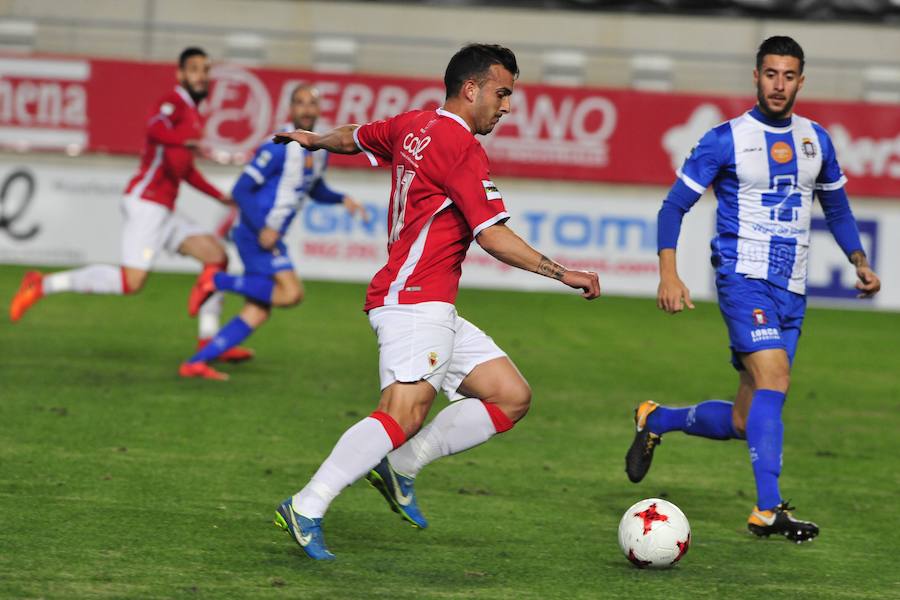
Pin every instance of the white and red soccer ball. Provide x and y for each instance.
(654, 534)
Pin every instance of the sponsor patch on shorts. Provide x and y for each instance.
(765, 334)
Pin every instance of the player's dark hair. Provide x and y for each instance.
(189, 52)
(780, 45)
(304, 87)
(473, 62)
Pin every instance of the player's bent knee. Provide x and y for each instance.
(780, 382)
(515, 400)
(286, 298)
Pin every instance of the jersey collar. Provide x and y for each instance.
(455, 117)
(768, 123)
(185, 96)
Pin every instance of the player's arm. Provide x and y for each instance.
(163, 127)
(502, 243)
(839, 217)
(339, 140)
(843, 227)
(672, 295)
(696, 174)
(323, 194)
(196, 180)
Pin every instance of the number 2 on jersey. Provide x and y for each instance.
(398, 202)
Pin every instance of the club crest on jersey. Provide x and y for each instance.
(491, 190)
(759, 317)
(167, 108)
(809, 149)
(781, 152)
(432, 359)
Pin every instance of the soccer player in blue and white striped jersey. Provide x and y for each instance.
(765, 166)
(269, 193)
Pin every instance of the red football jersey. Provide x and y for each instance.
(165, 160)
(442, 196)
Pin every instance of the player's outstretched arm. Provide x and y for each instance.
(671, 295)
(502, 243)
(338, 140)
(869, 284)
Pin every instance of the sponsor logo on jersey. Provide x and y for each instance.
(416, 145)
(808, 148)
(759, 317)
(781, 152)
(491, 190)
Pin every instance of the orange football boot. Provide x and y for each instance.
(202, 370)
(232, 355)
(30, 291)
(202, 290)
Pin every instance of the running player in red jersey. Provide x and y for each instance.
(148, 206)
(442, 198)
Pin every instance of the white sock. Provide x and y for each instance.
(93, 279)
(355, 454)
(208, 317)
(462, 425)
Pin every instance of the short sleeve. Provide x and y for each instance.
(376, 139)
(470, 188)
(170, 110)
(830, 176)
(702, 166)
(267, 162)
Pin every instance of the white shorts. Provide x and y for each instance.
(429, 341)
(148, 228)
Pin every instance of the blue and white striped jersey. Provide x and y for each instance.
(275, 184)
(764, 174)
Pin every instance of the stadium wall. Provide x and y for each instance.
(65, 211)
(697, 54)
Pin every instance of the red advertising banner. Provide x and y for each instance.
(553, 132)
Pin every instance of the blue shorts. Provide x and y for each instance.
(257, 260)
(759, 315)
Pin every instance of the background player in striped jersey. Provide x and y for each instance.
(764, 166)
(148, 207)
(442, 197)
(269, 193)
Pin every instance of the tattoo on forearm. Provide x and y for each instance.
(549, 268)
(859, 259)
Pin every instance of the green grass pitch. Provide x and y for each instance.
(119, 480)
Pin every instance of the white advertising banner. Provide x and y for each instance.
(67, 213)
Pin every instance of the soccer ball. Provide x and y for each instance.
(654, 534)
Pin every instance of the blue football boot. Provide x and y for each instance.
(398, 490)
(306, 532)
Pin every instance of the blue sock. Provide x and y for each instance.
(257, 287)
(765, 433)
(235, 332)
(710, 419)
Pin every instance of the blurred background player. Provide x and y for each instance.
(764, 166)
(442, 198)
(148, 207)
(269, 193)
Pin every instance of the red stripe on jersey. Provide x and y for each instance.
(439, 202)
(392, 427)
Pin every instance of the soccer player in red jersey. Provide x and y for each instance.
(442, 198)
(150, 221)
